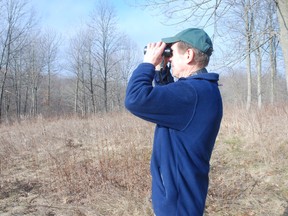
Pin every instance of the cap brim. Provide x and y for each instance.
(170, 40)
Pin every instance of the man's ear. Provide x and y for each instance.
(190, 55)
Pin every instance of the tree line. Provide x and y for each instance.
(99, 58)
(253, 32)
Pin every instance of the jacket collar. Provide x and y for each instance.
(204, 75)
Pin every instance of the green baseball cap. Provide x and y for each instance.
(195, 37)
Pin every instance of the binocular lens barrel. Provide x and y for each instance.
(167, 51)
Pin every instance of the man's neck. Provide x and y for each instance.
(191, 71)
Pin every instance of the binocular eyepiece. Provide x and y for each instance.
(166, 53)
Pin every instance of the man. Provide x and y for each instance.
(187, 114)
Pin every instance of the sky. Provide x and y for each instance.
(142, 26)
(67, 16)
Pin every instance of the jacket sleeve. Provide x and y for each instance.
(171, 105)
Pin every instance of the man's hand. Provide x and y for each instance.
(154, 53)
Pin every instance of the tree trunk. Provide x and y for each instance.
(76, 94)
(259, 77)
(49, 85)
(2, 94)
(91, 82)
(273, 69)
(282, 12)
(249, 28)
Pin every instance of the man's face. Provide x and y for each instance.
(177, 61)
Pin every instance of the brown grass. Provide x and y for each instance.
(100, 166)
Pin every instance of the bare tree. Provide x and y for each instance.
(130, 58)
(259, 75)
(219, 13)
(272, 48)
(106, 45)
(77, 61)
(16, 22)
(282, 11)
(249, 28)
(91, 70)
(203, 12)
(50, 42)
(35, 65)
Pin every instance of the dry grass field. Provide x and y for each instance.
(100, 166)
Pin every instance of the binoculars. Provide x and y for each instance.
(166, 53)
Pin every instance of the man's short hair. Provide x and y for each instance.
(201, 58)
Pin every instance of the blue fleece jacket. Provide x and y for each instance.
(187, 114)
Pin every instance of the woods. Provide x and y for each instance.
(250, 30)
(41, 76)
